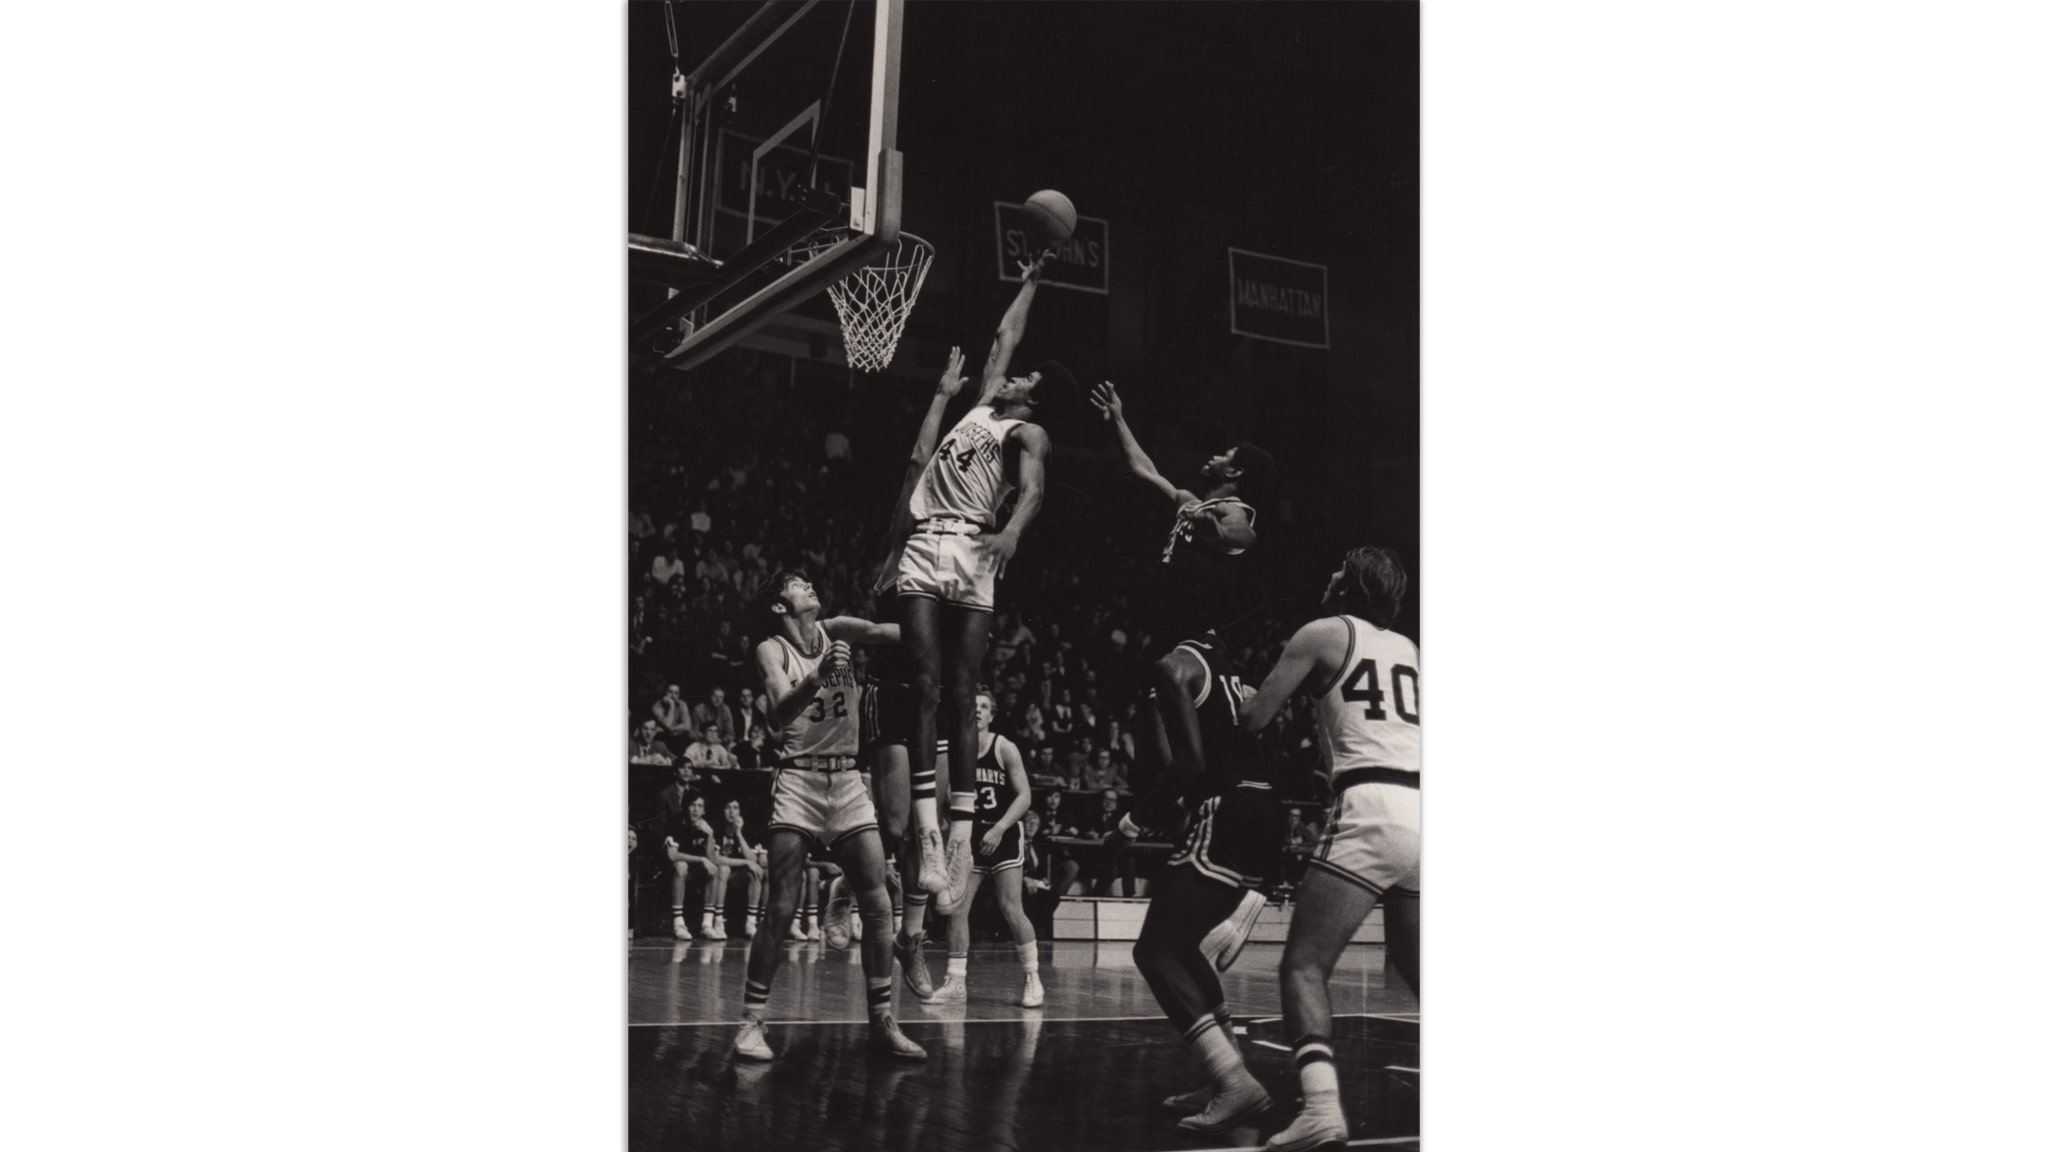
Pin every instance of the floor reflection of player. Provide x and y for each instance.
(1002, 796)
(819, 800)
(1366, 685)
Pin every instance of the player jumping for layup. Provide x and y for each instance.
(906, 797)
(956, 553)
(1367, 690)
(819, 800)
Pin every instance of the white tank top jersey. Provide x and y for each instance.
(830, 724)
(1371, 716)
(964, 478)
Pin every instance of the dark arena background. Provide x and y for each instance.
(1246, 269)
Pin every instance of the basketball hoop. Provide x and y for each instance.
(873, 302)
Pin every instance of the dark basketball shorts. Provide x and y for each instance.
(1009, 851)
(1234, 838)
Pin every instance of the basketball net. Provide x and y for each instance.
(874, 301)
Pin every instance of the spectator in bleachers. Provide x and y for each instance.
(667, 566)
(673, 714)
(1041, 898)
(1045, 773)
(746, 719)
(709, 752)
(1116, 861)
(1117, 738)
(647, 749)
(714, 713)
(700, 520)
(753, 753)
(1103, 772)
(1080, 755)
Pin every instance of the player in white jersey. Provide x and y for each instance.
(814, 708)
(1366, 685)
(905, 797)
(956, 551)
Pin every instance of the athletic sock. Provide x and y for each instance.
(756, 1000)
(1218, 1056)
(956, 966)
(878, 995)
(962, 805)
(1027, 955)
(1313, 1061)
(915, 900)
(925, 810)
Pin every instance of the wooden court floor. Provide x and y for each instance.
(1085, 1072)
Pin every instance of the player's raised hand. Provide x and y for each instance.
(1033, 268)
(949, 384)
(1107, 402)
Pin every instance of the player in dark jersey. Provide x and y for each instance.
(1195, 592)
(1002, 794)
(1231, 843)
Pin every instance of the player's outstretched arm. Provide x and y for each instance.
(1309, 652)
(1032, 446)
(1111, 406)
(1011, 331)
(786, 698)
(855, 630)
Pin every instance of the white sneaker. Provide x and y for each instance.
(857, 929)
(838, 932)
(885, 1036)
(682, 928)
(753, 1040)
(1314, 1128)
(714, 933)
(1226, 940)
(796, 931)
(1231, 1108)
(753, 924)
(959, 866)
(931, 861)
(1034, 992)
(1193, 1101)
(952, 991)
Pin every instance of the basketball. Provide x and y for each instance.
(1049, 218)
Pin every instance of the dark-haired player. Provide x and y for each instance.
(1230, 846)
(1366, 685)
(907, 800)
(820, 803)
(956, 552)
(1196, 586)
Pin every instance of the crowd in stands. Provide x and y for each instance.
(762, 470)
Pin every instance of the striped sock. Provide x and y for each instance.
(878, 995)
(924, 786)
(961, 804)
(1218, 1056)
(756, 1000)
(1313, 1062)
(915, 901)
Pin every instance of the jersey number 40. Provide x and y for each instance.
(1406, 694)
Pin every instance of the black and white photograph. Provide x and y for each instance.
(961, 490)
(1041, 379)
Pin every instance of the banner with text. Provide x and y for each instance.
(1274, 298)
(1083, 261)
